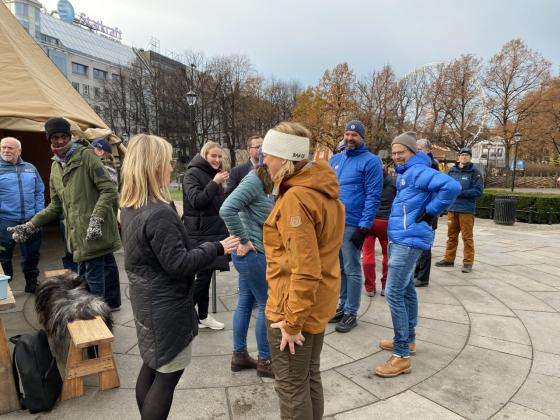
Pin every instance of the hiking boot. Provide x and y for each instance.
(382, 292)
(346, 323)
(388, 345)
(264, 368)
(30, 288)
(371, 294)
(337, 316)
(394, 367)
(211, 323)
(467, 268)
(444, 263)
(241, 360)
(418, 283)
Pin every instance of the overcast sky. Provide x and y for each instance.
(299, 39)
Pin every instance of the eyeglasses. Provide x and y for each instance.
(398, 153)
(254, 147)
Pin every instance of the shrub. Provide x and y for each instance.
(531, 207)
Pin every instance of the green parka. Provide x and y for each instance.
(79, 190)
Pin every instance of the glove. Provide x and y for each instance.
(94, 229)
(426, 217)
(359, 236)
(22, 233)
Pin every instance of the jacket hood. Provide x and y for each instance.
(199, 162)
(418, 159)
(317, 175)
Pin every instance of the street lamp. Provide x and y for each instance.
(516, 139)
(191, 98)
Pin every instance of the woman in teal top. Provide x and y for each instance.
(244, 212)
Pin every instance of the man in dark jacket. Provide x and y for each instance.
(360, 176)
(422, 271)
(240, 171)
(460, 217)
(21, 196)
(83, 192)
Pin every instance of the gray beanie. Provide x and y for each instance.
(407, 139)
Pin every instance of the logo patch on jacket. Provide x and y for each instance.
(294, 221)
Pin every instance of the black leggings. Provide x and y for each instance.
(154, 392)
(201, 295)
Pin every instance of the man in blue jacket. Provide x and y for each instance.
(422, 194)
(21, 197)
(360, 177)
(460, 217)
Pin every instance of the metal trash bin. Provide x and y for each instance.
(504, 210)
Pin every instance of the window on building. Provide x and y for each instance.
(116, 77)
(99, 74)
(22, 10)
(484, 154)
(500, 152)
(80, 69)
(97, 92)
(85, 90)
(76, 86)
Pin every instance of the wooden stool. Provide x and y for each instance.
(83, 336)
(53, 273)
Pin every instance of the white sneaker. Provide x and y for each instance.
(211, 323)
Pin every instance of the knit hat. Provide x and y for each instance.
(357, 126)
(57, 125)
(408, 140)
(285, 146)
(103, 145)
(465, 150)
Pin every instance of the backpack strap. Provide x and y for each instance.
(14, 340)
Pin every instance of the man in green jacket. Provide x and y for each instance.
(83, 192)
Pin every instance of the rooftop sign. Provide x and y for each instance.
(97, 25)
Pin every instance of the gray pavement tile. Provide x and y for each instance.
(29, 313)
(502, 327)
(125, 339)
(531, 273)
(441, 338)
(128, 367)
(547, 268)
(331, 358)
(435, 294)
(20, 297)
(15, 324)
(451, 313)
(430, 360)
(378, 313)
(341, 394)
(477, 300)
(516, 411)
(540, 393)
(524, 282)
(253, 402)
(124, 316)
(503, 259)
(229, 302)
(199, 404)
(546, 364)
(516, 349)
(215, 372)
(406, 405)
(543, 329)
(216, 343)
(360, 342)
(551, 298)
(444, 326)
(477, 383)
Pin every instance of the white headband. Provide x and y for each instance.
(285, 146)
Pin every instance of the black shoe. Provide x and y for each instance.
(382, 292)
(418, 283)
(346, 323)
(444, 263)
(337, 316)
(30, 289)
(467, 268)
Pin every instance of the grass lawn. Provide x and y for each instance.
(176, 195)
(522, 193)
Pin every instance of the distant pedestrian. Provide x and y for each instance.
(203, 194)
(21, 197)
(460, 216)
(104, 151)
(160, 265)
(240, 171)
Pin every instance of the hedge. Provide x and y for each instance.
(531, 207)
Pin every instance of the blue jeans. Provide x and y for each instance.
(252, 286)
(102, 276)
(29, 252)
(401, 296)
(351, 273)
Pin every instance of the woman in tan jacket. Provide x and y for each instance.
(302, 238)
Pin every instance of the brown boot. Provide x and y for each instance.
(264, 368)
(388, 345)
(394, 367)
(241, 360)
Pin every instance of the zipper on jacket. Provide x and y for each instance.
(21, 199)
(404, 217)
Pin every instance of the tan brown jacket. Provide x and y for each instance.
(302, 238)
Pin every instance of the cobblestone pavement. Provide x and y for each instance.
(488, 346)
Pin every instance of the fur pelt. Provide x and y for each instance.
(63, 299)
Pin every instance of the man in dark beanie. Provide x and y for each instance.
(88, 200)
(360, 177)
(422, 194)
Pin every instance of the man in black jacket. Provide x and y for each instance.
(422, 271)
(240, 171)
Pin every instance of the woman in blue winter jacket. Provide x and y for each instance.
(422, 194)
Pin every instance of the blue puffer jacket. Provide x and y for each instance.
(472, 186)
(360, 177)
(419, 188)
(21, 191)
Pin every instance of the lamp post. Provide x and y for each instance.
(191, 98)
(516, 139)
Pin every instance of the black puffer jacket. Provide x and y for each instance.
(202, 199)
(161, 271)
